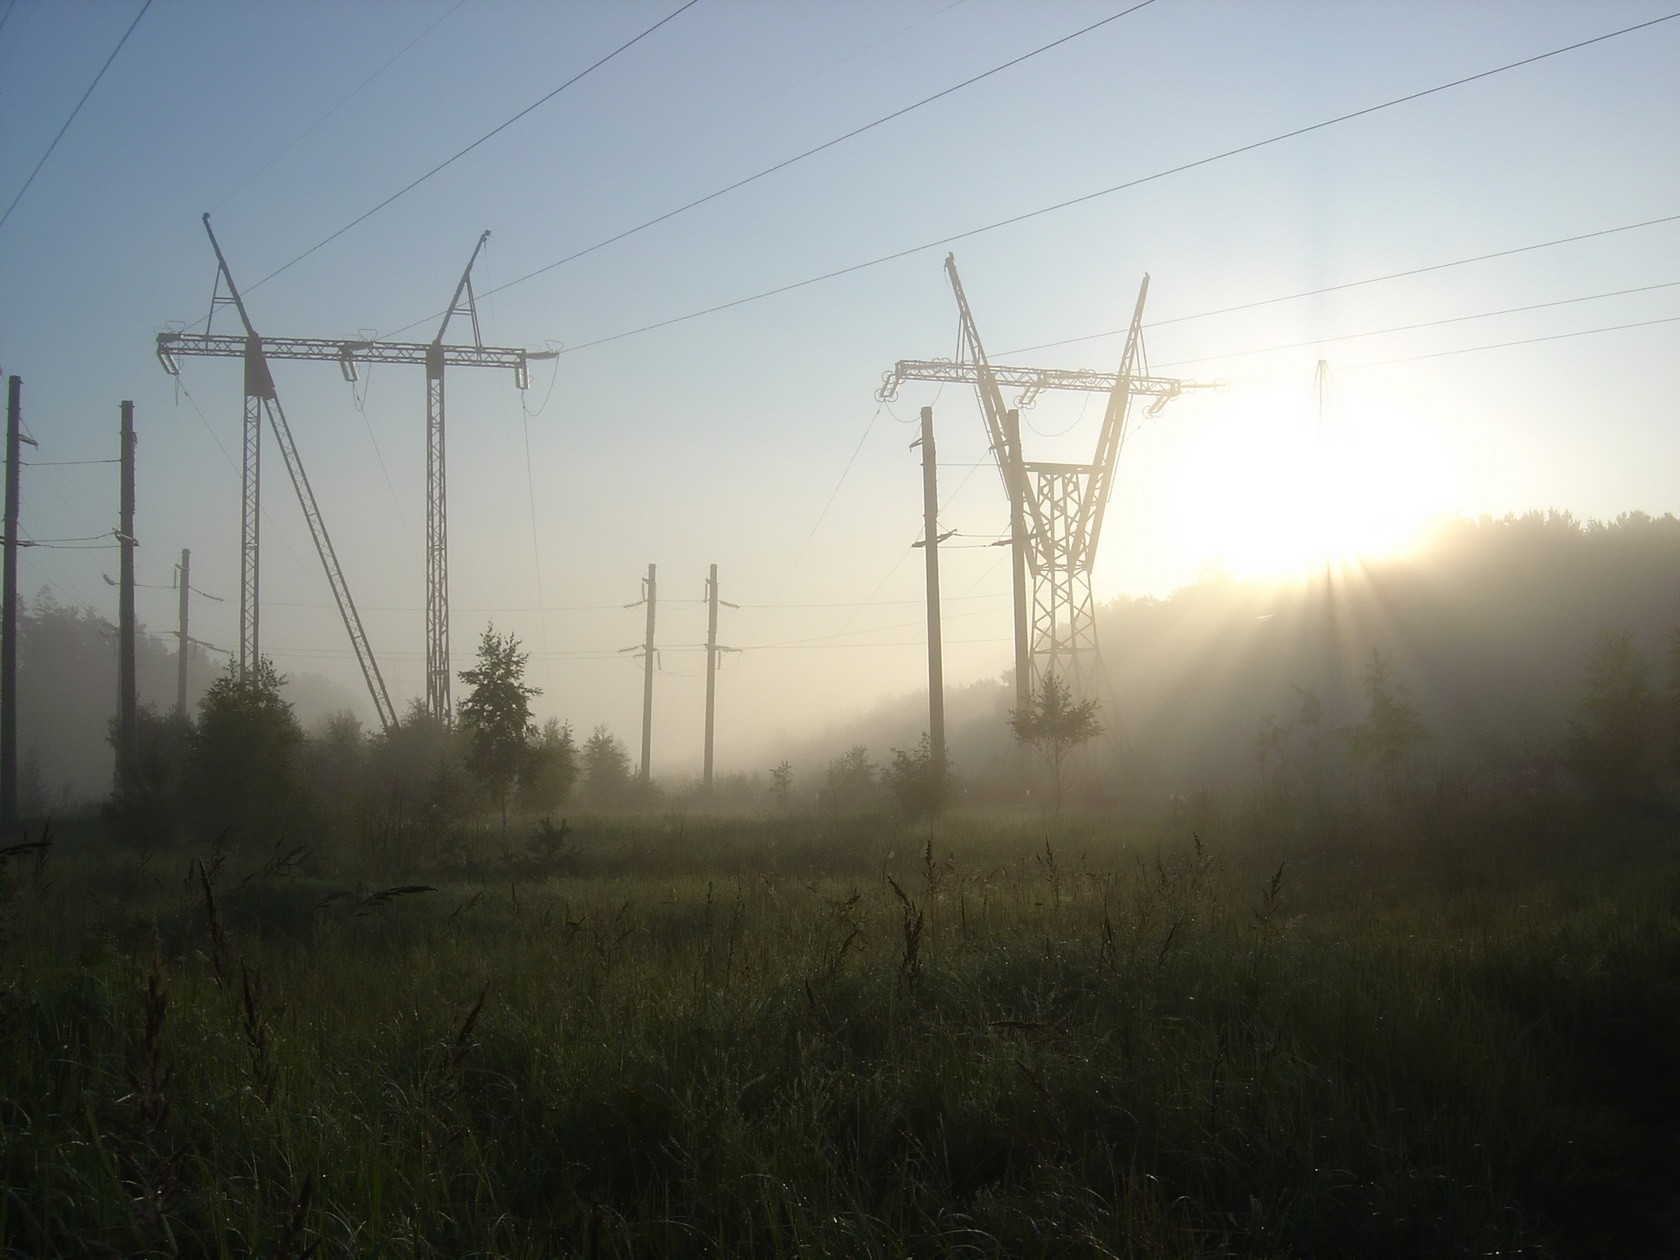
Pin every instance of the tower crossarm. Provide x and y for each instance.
(1032, 381)
(347, 352)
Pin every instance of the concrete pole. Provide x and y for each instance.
(186, 642)
(711, 672)
(647, 681)
(936, 652)
(8, 618)
(127, 700)
(1018, 544)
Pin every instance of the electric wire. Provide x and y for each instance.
(342, 102)
(1039, 212)
(822, 515)
(811, 152)
(1349, 284)
(449, 161)
(74, 112)
(1429, 323)
(1525, 341)
(12, 4)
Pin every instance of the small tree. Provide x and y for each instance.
(606, 768)
(242, 759)
(1612, 739)
(781, 784)
(496, 715)
(1392, 726)
(552, 769)
(1054, 726)
(849, 783)
(920, 784)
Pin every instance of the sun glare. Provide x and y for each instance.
(1274, 490)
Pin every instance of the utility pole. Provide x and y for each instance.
(712, 650)
(1056, 509)
(711, 673)
(647, 679)
(930, 543)
(127, 702)
(183, 575)
(9, 614)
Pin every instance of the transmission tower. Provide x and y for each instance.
(1056, 509)
(259, 391)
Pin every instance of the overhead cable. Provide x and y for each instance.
(1349, 284)
(811, 152)
(1025, 216)
(74, 112)
(494, 131)
(1525, 341)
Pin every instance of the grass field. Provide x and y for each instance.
(775, 1038)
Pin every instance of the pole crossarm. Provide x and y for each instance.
(1032, 381)
(345, 352)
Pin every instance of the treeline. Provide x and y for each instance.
(1531, 648)
(243, 773)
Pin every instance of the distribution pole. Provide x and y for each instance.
(8, 616)
(930, 542)
(711, 672)
(1018, 545)
(181, 656)
(127, 703)
(647, 680)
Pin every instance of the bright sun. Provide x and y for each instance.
(1273, 491)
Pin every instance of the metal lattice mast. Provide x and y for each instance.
(434, 356)
(261, 401)
(1056, 509)
(437, 503)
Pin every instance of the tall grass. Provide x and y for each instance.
(1010, 1042)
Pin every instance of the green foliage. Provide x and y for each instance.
(781, 784)
(1054, 726)
(551, 771)
(920, 784)
(1173, 1053)
(607, 778)
(1391, 727)
(850, 783)
(145, 808)
(495, 716)
(1613, 739)
(242, 771)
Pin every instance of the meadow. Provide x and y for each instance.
(670, 1036)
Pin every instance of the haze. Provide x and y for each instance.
(749, 438)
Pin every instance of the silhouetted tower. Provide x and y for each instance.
(930, 543)
(1056, 509)
(182, 577)
(434, 356)
(9, 613)
(713, 651)
(127, 700)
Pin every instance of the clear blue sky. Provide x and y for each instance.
(721, 439)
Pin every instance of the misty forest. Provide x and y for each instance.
(1335, 926)
(1296, 876)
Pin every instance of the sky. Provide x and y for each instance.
(750, 437)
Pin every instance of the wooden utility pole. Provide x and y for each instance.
(647, 680)
(182, 576)
(711, 672)
(930, 543)
(127, 701)
(9, 615)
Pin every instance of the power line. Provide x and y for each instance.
(1349, 284)
(342, 102)
(811, 152)
(1429, 323)
(1104, 192)
(410, 187)
(74, 112)
(1526, 341)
